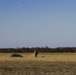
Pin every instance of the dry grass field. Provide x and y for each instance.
(44, 64)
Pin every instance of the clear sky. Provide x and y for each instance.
(37, 23)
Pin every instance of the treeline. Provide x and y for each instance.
(40, 49)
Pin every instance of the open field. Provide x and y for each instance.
(44, 64)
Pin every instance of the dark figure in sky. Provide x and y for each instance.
(23, 2)
(36, 53)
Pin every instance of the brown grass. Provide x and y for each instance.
(44, 64)
(41, 57)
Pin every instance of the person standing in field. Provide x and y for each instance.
(36, 53)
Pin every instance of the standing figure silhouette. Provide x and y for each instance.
(36, 53)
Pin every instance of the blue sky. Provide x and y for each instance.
(37, 23)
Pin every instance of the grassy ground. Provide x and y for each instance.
(44, 64)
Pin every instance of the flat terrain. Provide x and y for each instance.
(44, 64)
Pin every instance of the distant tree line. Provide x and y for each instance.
(40, 49)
